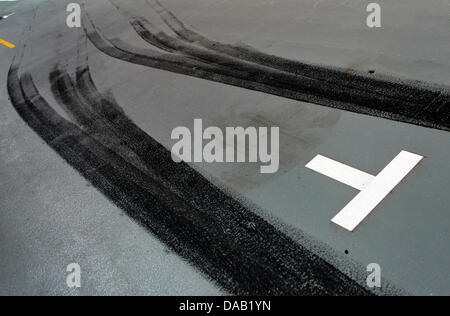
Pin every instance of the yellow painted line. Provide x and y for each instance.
(7, 44)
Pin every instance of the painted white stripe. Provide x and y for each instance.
(366, 201)
(338, 171)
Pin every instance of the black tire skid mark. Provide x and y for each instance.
(150, 58)
(182, 65)
(158, 38)
(70, 143)
(321, 73)
(85, 116)
(194, 188)
(321, 85)
(244, 261)
(154, 40)
(252, 71)
(382, 88)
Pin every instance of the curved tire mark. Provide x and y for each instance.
(213, 234)
(408, 103)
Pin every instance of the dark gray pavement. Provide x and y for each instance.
(51, 216)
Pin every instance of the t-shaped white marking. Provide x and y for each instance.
(373, 189)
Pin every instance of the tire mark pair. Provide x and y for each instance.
(216, 233)
(192, 54)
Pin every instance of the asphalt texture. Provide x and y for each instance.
(232, 231)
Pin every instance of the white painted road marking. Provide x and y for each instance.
(338, 171)
(373, 190)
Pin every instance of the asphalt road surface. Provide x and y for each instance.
(86, 174)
